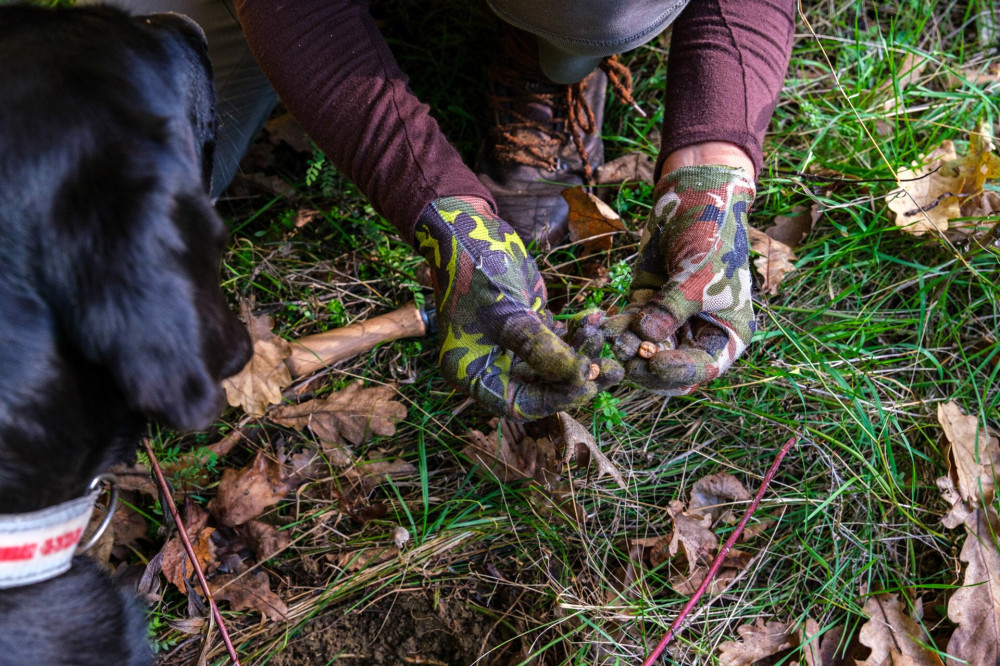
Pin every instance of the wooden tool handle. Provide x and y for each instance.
(314, 352)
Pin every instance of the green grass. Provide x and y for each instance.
(864, 339)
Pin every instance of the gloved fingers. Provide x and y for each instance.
(586, 334)
(677, 371)
(525, 335)
(612, 373)
(533, 400)
(609, 373)
(664, 313)
(520, 393)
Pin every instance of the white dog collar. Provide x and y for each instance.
(41, 544)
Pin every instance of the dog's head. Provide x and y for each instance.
(110, 306)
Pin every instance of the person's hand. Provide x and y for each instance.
(690, 293)
(498, 342)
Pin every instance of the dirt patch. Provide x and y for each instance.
(406, 628)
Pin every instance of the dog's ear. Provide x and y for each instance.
(131, 272)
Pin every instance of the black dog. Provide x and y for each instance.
(110, 307)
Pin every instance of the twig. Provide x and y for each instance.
(717, 564)
(190, 550)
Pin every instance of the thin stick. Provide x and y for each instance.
(717, 564)
(190, 550)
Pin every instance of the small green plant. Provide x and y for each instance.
(607, 414)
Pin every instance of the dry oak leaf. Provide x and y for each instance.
(794, 228)
(576, 436)
(760, 641)
(972, 454)
(509, 454)
(630, 168)
(927, 198)
(820, 650)
(351, 415)
(249, 591)
(591, 221)
(692, 532)
(713, 494)
(245, 494)
(175, 564)
(261, 380)
(895, 638)
(266, 540)
(946, 187)
(975, 607)
(775, 261)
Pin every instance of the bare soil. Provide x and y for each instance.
(407, 627)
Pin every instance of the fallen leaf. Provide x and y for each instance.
(978, 165)
(266, 540)
(630, 168)
(945, 187)
(259, 383)
(793, 229)
(251, 591)
(575, 436)
(760, 640)
(591, 221)
(285, 129)
(509, 454)
(775, 261)
(976, 76)
(972, 454)
(975, 607)
(355, 560)
(927, 198)
(176, 564)
(969, 489)
(351, 415)
(245, 494)
(128, 526)
(713, 494)
(135, 478)
(907, 73)
(895, 638)
(190, 625)
(692, 533)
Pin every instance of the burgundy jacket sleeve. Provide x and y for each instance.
(336, 75)
(728, 60)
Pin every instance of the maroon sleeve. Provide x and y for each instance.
(335, 73)
(727, 62)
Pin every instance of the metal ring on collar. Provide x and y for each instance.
(112, 482)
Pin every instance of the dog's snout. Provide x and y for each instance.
(180, 24)
(237, 347)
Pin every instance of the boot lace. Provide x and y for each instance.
(522, 139)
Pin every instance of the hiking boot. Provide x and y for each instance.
(546, 137)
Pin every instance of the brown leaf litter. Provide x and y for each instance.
(973, 454)
(259, 384)
(776, 245)
(591, 221)
(349, 416)
(938, 193)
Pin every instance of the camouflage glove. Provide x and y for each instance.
(691, 282)
(498, 342)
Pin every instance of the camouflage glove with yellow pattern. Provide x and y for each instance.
(691, 282)
(498, 342)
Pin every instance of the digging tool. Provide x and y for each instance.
(315, 352)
